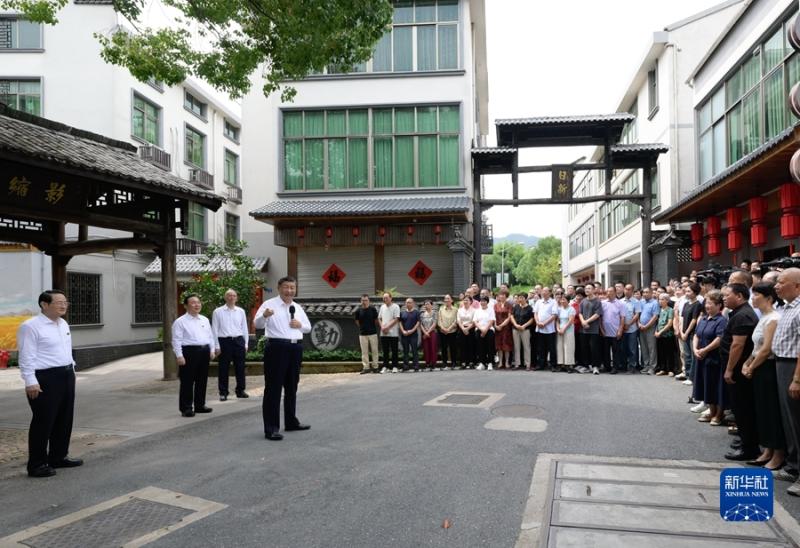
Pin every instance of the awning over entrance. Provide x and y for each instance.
(556, 131)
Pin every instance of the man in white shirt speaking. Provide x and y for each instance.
(193, 343)
(47, 367)
(284, 323)
(229, 324)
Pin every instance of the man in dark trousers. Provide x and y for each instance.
(47, 367)
(194, 346)
(284, 323)
(229, 324)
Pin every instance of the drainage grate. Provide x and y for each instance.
(464, 399)
(113, 527)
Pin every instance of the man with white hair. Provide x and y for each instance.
(229, 324)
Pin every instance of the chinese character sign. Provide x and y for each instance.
(562, 182)
(745, 494)
(334, 275)
(18, 188)
(420, 273)
(326, 335)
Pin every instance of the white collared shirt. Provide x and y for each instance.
(229, 322)
(191, 330)
(277, 325)
(43, 343)
(544, 310)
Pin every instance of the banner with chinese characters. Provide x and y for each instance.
(20, 189)
(562, 182)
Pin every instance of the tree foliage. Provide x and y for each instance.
(226, 268)
(541, 264)
(288, 39)
(504, 258)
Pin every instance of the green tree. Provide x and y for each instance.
(226, 268)
(504, 258)
(541, 263)
(286, 39)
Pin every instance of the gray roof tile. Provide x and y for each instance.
(494, 150)
(339, 207)
(566, 120)
(640, 147)
(190, 264)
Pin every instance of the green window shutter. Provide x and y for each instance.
(357, 122)
(404, 162)
(448, 47)
(383, 162)
(404, 120)
(314, 124)
(428, 168)
(292, 124)
(448, 161)
(315, 158)
(426, 47)
(357, 163)
(336, 123)
(448, 119)
(426, 119)
(337, 167)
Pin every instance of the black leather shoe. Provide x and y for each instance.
(242, 394)
(223, 397)
(612, 372)
(188, 413)
(43, 471)
(203, 409)
(67, 462)
(297, 427)
(741, 455)
(273, 436)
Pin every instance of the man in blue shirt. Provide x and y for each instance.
(648, 319)
(630, 335)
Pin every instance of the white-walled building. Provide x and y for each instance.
(365, 180)
(56, 72)
(603, 242)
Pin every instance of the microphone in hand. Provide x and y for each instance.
(291, 312)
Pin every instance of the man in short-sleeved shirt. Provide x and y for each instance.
(591, 316)
(630, 334)
(367, 319)
(389, 319)
(612, 328)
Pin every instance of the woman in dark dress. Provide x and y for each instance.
(503, 341)
(709, 386)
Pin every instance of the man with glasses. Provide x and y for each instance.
(47, 367)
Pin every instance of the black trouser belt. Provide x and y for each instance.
(196, 346)
(285, 341)
(69, 367)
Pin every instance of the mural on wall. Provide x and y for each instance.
(326, 335)
(14, 309)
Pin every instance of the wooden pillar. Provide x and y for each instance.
(476, 228)
(169, 292)
(83, 233)
(291, 262)
(378, 259)
(646, 262)
(58, 263)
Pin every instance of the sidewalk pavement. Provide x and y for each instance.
(121, 400)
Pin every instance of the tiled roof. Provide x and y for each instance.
(779, 139)
(190, 264)
(494, 150)
(643, 147)
(557, 120)
(29, 136)
(363, 206)
(338, 308)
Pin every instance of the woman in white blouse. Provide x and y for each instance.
(484, 334)
(465, 336)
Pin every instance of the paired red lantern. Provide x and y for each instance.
(696, 233)
(437, 231)
(734, 221)
(790, 207)
(758, 217)
(410, 232)
(356, 232)
(714, 231)
(381, 234)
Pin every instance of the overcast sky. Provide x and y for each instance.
(550, 58)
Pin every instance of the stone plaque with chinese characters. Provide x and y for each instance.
(18, 188)
(562, 182)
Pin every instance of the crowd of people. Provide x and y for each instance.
(734, 341)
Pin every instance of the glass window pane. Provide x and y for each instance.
(428, 164)
(718, 104)
(751, 122)
(735, 146)
(382, 58)
(403, 11)
(448, 119)
(293, 165)
(402, 54)
(751, 73)
(29, 35)
(448, 47)
(358, 124)
(383, 162)
(425, 11)
(314, 123)
(448, 10)
(774, 104)
(337, 166)
(32, 104)
(404, 162)
(426, 119)
(705, 157)
(426, 47)
(719, 147)
(773, 50)
(336, 122)
(733, 88)
(357, 163)
(151, 131)
(292, 124)
(382, 121)
(705, 116)
(404, 120)
(448, 161)
(315, 158)
(138, 124)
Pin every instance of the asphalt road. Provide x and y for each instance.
(378, 468)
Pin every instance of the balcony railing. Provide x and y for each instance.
(156, 156)
(187, 246)
(487, 239)
(202, 178)
(235, 194)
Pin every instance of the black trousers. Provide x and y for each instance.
(667, 355)
(613, 354)
(546, 345)
(592, 349)
(744, 409)
(485, 347)
(51, 424)
(231, 349)
(281, 372)
(580, 359)
(389, 344)
(447, 344)
(410, 348)
(194, 377)
(466, 347)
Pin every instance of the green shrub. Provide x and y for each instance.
(338, 355)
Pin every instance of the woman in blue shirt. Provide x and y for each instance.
(709, 386)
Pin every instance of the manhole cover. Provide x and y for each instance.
(519, 410)
(464, 399)
(113, 527)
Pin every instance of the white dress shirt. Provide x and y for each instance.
(229, 322)
(43, 343)
(277, 325)
(544, 310)
(483, 316)
(191, 330)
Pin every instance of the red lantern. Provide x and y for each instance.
(437, 231)
(734, 220)
(714, 230)
(328, 232)
(790, 206)
(356, 232)
(410, 232)
(301, 233)
(696, 232)
(758, 214)
(381, 234)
